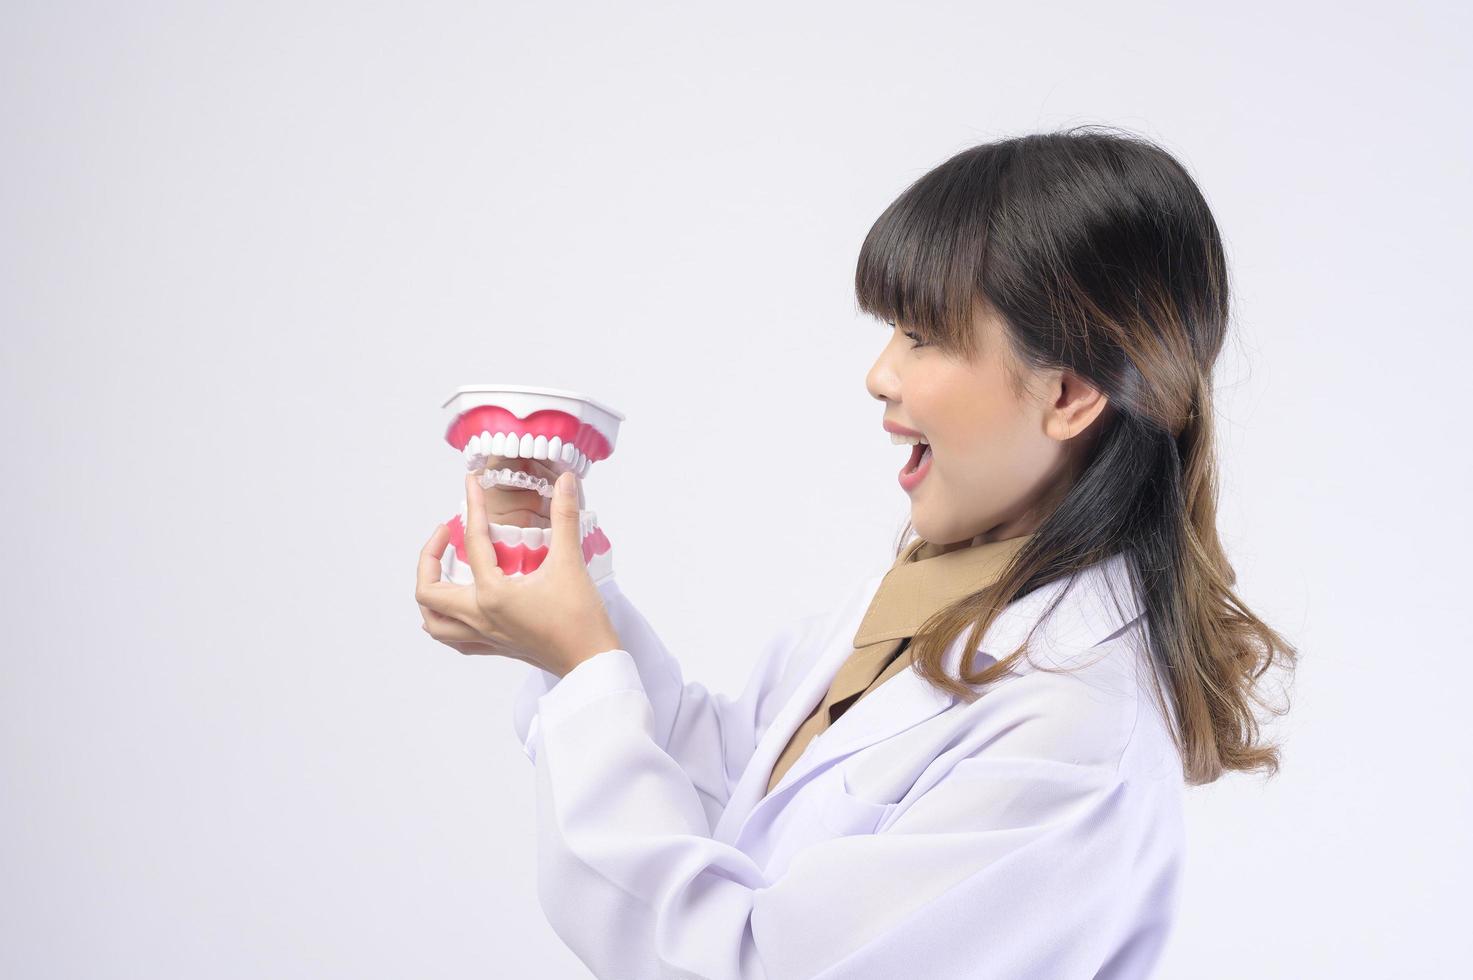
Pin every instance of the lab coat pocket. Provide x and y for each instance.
(844, 813)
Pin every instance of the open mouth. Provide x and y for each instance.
(917, 466)
(918, 454)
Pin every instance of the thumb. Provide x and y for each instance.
(565, 532)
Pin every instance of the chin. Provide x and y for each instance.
(925, 529)
(939, 536)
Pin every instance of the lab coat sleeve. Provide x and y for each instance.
(1016, 863)
(709, 735)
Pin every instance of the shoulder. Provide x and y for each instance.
(1083, 692)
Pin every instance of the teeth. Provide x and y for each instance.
(897, 439)
(507, 445)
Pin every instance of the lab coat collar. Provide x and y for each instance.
(1096, 602)
(924, 580)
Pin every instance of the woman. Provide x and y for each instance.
(974, 766)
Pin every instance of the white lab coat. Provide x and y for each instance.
(1036, 832)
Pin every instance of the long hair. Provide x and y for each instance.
(1098, 253)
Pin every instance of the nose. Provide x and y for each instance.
(881, 381)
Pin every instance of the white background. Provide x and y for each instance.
(246, 251)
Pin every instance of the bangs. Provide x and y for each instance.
(921, 264)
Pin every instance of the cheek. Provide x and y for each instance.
(971, 413)
(988, 435)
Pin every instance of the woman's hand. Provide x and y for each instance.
(553, 617)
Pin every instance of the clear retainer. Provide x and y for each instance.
(516, 479)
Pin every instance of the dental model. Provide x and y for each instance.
(531, 429)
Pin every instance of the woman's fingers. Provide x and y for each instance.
(448, 609)
(454, 634)
(447, 629)
(447, 598)
(478, 549)
(430, 556)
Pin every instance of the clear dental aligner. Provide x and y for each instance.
(565, 430)
(515, 479)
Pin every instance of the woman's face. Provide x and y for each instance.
(1000, 461)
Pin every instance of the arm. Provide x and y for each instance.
(1032, 856)
(710, 736)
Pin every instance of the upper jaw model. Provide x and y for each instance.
(518, 440)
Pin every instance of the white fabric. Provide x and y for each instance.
(1036, 832)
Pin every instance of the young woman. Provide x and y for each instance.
(973, 767)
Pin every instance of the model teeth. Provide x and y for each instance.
(508, 445)
(532, 537)
(898, 438)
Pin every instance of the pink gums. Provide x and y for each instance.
(548, 422)
(513, 558)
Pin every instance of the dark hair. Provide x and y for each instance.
(1098, 253)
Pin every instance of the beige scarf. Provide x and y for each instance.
(923, 580)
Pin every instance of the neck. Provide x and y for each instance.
(1005, 531)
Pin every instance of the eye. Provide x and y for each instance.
(915, 340)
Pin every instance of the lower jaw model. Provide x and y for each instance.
(558, 430)
(520, 550)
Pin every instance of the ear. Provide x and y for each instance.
(1073, 405)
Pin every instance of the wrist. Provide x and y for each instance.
(588, 649)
